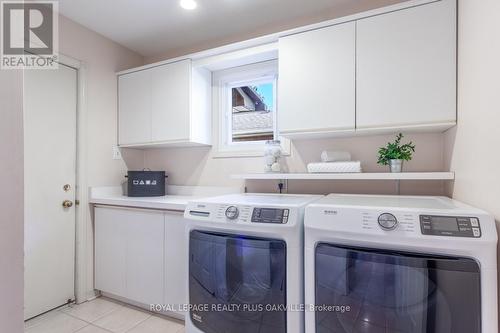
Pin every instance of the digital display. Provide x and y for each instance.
(444, 223)
(270, 213)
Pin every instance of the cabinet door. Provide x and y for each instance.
(317, 81)
(171, 101)
(175, 259)
(134, 107)
(110, 250)
(406, 67)
(145, 256)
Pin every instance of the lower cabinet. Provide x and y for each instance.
(139, 255)
(176, 275)
(145, 253)
(111, 233)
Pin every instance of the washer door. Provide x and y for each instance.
(237, 284)
(385, 291)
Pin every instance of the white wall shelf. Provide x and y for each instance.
(348, 176)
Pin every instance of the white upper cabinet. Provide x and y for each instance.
(166, 105)
(384, 71)
(387, 72)
(134, 103)
(316, 90)
(406, 68)
(171, 102)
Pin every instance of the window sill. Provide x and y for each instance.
(259, 152)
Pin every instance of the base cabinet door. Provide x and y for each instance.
(406, 67)
(175, 261)
(129, 253)
(145, 255)
(110, 254)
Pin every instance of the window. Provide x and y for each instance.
(245, 108)
(252, 111)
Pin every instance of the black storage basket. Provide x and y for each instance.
(146, 183)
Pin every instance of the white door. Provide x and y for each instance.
(170, 101)
(407, 75)
(317, 81)
(176, 271)
(50, 103)
(134, 107)
(111, 234)
(145, 256)
(129, 253)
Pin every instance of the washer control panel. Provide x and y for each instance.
(387, 221)
(455, 226)
(270, 215)
(394, 222)
(232, 212)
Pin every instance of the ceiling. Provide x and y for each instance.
(162, 27)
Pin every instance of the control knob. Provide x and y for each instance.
(232, 212)
(387, 221)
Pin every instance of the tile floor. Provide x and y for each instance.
(102, 315)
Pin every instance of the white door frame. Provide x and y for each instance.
(82, 284)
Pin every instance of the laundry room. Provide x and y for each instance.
(235, 166)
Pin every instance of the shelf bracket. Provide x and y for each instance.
(398, 187)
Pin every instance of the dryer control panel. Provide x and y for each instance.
(241, 214)
(270, 215)
(455, 226)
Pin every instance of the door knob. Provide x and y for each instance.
(67, 203)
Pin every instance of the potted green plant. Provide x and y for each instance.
(395, 153)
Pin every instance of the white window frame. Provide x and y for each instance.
(223, 82)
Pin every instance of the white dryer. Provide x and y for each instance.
(399, 264)
(246, 263)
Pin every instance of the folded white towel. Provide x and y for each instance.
(334, 167)
(335, 156)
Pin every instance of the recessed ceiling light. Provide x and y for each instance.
(188, 4)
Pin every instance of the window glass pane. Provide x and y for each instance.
(253, 112)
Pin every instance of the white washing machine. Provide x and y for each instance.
(246, 263)
(399, 264)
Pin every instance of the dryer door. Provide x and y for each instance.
(385, 291)
(237, 284)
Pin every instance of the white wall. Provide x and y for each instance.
(197, 166)
(11, 202)
(473, 148)
(102, 59)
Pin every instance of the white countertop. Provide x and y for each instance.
(176, 200)
(168, 202)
